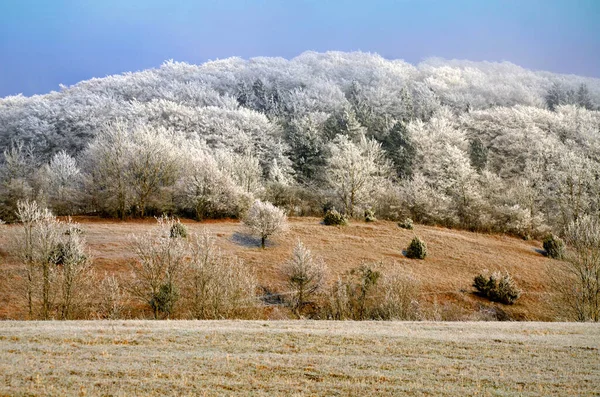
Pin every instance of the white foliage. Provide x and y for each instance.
(356, 170)
(265, 220)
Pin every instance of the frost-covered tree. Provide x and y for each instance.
(265, 220)
(57, 266)
(400, 150)
(107, 167)
(154, 163)
(16, 178)
(578, 277)
(62, 179)
(572, 179)
(244, 169)
(159, 267)
(207, 189)
(304, 276)
(307, 141)
(356, 171)
(129, 164)
(443, 160)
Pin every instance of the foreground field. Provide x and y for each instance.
(124, 358)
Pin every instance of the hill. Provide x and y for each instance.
(445, 276)
(470, 145)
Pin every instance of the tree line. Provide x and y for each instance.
(480, 146)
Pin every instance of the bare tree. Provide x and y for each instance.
(56, 264)
(159, 266)
(580, 273)
(304, 276)
(74, 271)
(217, 286)
(41, 233)
(265, 220)
(111, 297)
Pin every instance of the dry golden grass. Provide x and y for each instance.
(283, 358)
(454, 258)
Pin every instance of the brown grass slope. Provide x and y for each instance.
(287, 358)
(454, 258)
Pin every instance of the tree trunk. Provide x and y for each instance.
(46, 292)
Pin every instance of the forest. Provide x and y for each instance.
(480, 146)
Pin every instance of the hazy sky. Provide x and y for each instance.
(47, 42)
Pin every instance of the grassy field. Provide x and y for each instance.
(446, 275)
(125, 358)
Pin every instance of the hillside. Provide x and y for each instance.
(470, 145)
(223, 358)
(445, 276)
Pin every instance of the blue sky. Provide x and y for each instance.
(47, 42)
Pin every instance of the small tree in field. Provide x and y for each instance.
(217, 286)
(417, 249)
(158, 268)
(578, 277)
(554, 247)
(57, 267)
(304, 275)
(265, 220)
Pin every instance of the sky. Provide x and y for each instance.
(44, 43)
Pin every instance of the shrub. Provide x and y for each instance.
(164, 300)
(355, 295)
(218, 286)
(399, 300)
(497, 288)
(365, 293)
(73, 230)
(407, 223)
(417, 249)
(328, 206)
(554, 247)
(334, 218)
(178, 230)
(370, 216)
(69, 251)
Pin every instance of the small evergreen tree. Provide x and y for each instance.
(178, 229)
(334, 218)
(370, 215)
(304, 276)
(478, 154)
(407, 223)
(497, 288)
(554, 247)
(417, 249)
